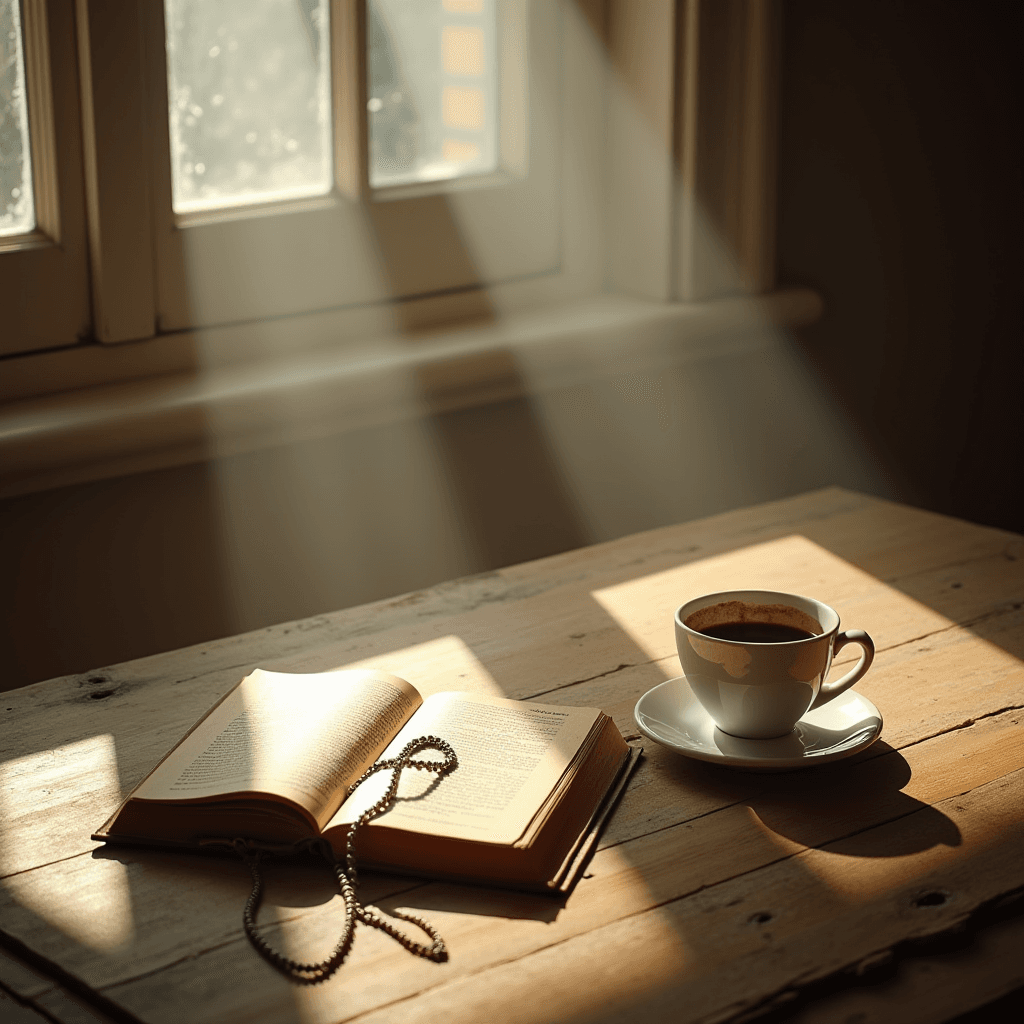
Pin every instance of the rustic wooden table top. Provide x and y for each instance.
(882, 884)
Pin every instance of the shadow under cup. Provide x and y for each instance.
(759, 688)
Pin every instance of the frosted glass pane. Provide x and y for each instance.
(432, 90)
(250, 106)
(17, 210)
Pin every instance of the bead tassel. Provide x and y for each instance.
(347, 876)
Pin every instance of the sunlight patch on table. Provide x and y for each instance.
(791, 564)
(35, 787)
(444, 664)
(641, 955)
(516, 953)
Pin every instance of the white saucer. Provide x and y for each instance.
(671, 715)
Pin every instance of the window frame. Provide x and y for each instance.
(649, 212)
(44, 284)
(192, 285)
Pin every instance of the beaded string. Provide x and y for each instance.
(347, 877)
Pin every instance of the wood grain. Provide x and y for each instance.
(727, 950)
(635, 913)
(671, 913)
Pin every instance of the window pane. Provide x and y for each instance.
(432, 89)
(17, 210)
(250, 107)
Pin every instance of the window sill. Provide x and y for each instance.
(177, 415)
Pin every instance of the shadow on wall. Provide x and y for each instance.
(902, 202)
(117, 569)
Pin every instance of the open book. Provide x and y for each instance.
(274, 758)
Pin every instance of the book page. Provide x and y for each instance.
(511, 755)
(302, 737)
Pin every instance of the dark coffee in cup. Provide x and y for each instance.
(757, 632)
(757, 660)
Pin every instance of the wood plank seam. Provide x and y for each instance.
(64, 980)
(589, 679)
(1008, 609)
(49, 863)
(20, 1000)
(988, 616)
(887, 954)
(1009, 553)
(1005, 609)
(967, 724)
(600, 675)
(875, 966)
(869, 755)
(28, 1004)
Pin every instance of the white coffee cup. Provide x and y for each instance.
(752, 685)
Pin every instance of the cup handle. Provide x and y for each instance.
(850, 636)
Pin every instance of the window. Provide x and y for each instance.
(547, 150)
(368, 199)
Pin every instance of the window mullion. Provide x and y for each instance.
(113, 91)
(40, 105)
(44, 289)
(348, 98)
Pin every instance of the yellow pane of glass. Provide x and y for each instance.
(463, 108)
(432, 105)
(463, 49)
(458, 151)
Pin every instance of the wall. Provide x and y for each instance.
(901, 203)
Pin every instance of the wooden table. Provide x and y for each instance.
(879, 888)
